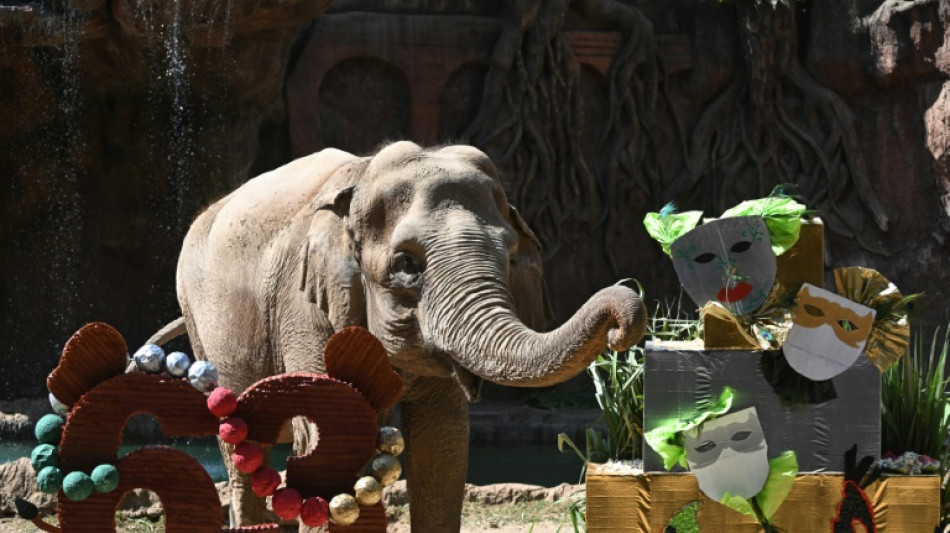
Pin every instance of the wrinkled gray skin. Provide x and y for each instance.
(420, 247)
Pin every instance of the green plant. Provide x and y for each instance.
(670, 322)
(915, 405)
(618, 389)
(577, 513)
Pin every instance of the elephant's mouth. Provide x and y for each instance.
(438, 363)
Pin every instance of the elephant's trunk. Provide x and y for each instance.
(470, 316)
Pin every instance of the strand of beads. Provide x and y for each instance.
(76, 485)
(105, 478)
(343, 509)
(151, 359)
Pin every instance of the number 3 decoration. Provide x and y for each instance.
(342, 402)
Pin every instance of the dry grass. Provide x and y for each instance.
(123, 525)
(533, 517)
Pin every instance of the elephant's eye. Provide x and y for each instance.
(405, 263)
(405, 271)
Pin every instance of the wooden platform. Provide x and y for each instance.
(646, 502)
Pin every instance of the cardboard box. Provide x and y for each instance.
(646, 502)
(676, 381)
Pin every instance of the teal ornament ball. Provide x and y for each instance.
(44, 455)
(105, 478)
(49, 479)
(77, 486)
(49, 429)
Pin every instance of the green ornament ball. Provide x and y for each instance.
(49, 429)
(49, 479)
(105, 478)
(44, 455)
(77, 486)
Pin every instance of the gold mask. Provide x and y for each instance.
(851, 326)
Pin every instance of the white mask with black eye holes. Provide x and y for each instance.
(829, 333)
(729, 454)
(729, 261)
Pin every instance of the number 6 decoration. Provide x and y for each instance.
(342, 402)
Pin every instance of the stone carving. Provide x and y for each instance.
(772, 124)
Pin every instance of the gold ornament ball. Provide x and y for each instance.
(389, 440)
(386, 469)
(344, 510)
(368, 491)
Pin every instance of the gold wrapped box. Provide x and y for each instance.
(646, 502)
(805, 261)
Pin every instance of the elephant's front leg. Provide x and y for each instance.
(435, 423)
(246, 507)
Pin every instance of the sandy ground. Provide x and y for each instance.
(539, 527)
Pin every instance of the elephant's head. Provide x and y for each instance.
(449, 273)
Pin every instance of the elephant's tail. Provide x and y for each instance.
(172, 330)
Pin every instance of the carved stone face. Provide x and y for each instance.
(729, 260)
(729, 454)
(828, 335)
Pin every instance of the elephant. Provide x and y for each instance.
(419, 246)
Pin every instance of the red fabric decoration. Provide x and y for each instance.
(315, 512)
(265, 481)
(287, 503)
(222, 402)
(233, 430)
(247, 457)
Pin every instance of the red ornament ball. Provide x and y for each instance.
(315, 512)
(247, 457)
(233, 430)
(265, 481)
(222, 402)
(287, 503)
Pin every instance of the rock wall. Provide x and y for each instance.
(120, 120)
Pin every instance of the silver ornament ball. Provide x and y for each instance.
(150, 358)
(203, 376)
(58, 407)
(177, 364)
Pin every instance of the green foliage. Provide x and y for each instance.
(618, 389)
(670, 322)
(577, 513)
(915, 410)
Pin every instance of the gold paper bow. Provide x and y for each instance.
(890, 334)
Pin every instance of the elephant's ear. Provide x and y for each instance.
(337, 200)
(330, 272)
(526, 278)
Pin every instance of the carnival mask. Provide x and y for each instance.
(728, 454)
(828, 334)
(729, 260)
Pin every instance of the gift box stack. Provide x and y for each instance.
(772, 421)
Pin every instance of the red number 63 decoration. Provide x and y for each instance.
(342, 402)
